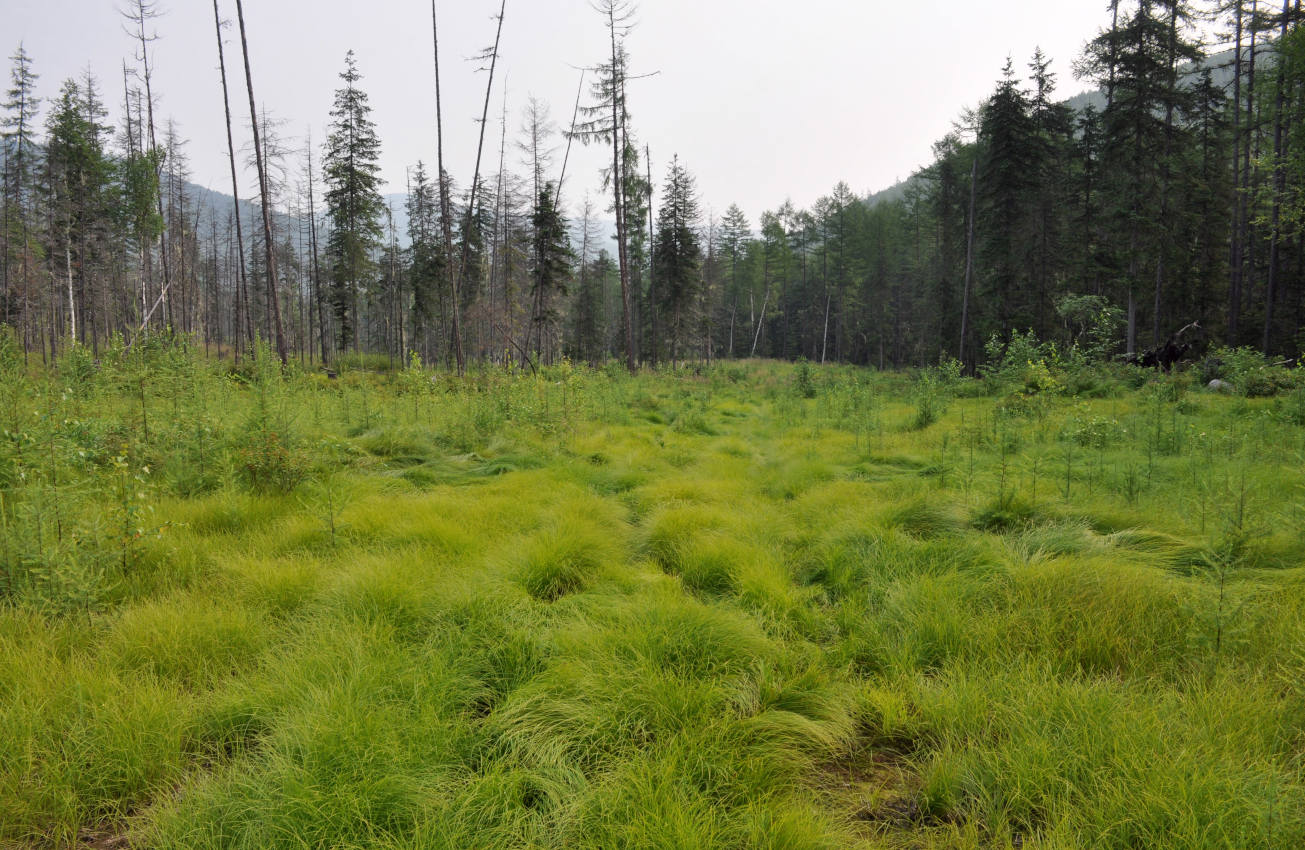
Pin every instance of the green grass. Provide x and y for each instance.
(748, 607)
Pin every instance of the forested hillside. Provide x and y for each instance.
(1170, 196)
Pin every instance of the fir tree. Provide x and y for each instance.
(677, 253)
(353, 200)
(427, 261)
(550, 267)
(735, 233)
(19, 152)
(1006, 182)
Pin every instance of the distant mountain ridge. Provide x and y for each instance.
(1221, 65)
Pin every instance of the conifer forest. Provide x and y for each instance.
(539, 504)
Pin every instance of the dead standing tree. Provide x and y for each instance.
(242, 301)
(469, 218)
(446, 221)
(272, 298)
(608, 124)
(138, 14)
(456, 276)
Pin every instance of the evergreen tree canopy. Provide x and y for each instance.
(354, 205)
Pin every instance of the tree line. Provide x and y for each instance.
(1176, 196)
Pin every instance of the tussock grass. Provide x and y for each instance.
(186, 640)
(593, 610)
(564, 558)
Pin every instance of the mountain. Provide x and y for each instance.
(1220, 65)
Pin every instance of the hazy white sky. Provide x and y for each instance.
(763, 100)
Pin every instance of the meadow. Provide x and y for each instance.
(741, 605)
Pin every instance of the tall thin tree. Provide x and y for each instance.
(241, 285)
(272, 297)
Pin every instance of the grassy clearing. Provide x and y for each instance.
(736, 607)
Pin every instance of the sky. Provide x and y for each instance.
(762, 100)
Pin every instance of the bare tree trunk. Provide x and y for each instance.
(143, 12)
(570, 137)
(235, 181)
(824, 336)
(734, 312)
(1131, 343)
(1172, 71)
(317, 274)
(618, 196)
(757, 336)
(445, 215)
(72, 304)
(500, 235)
(1235, 251)
(1249, 151)
(969, 263)
(469, 219)
(1114, 28)
(1279, 184)
(268, 245)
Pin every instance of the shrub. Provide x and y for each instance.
(268, 465)
(1092, 432)
(1096, 323)
(1252, 375)
(1008, 361)
(933, 391)
(805, 386)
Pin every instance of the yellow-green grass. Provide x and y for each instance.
(583, 609)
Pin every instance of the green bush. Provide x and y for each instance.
(1253, 376)
(268, 465)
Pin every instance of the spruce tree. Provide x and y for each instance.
(79, 179)
(550, 267)
(1006, 185)
(426, 257)
(19, 152)
(353, 200)
(1138, 57)
(677, 253)
(1053, 134)
(735, 234)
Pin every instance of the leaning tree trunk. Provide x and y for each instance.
(469, 219)
(235, 182)
(969, 263)
(268, 245)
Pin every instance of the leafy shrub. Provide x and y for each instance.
(1095, 322)
(1085, 380)
(1253, 376)
(933, 391)
(268, 465)
(78, 367)
(1292, 407)
(803, 383)
(1170, 389)
(1007, 361)
(1094, 432)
